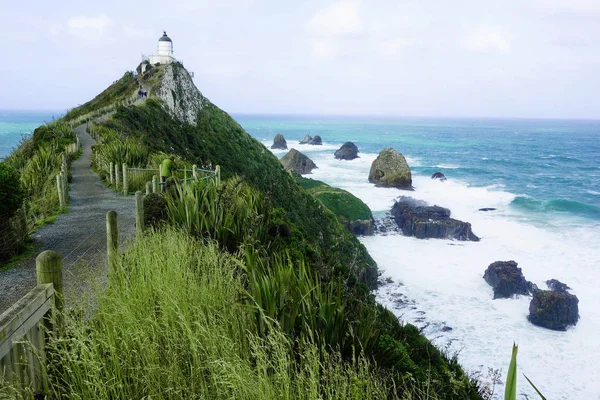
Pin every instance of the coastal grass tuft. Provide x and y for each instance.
(174, 324)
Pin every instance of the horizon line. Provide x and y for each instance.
(330, 115)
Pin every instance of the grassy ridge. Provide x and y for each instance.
(218, 139)
(314, 254)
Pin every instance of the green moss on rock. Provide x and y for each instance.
(352, 212)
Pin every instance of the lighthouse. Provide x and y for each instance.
(164, 54)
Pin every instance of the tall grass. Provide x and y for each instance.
(172, 324)
(232, 213)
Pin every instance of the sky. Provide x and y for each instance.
(437, 58)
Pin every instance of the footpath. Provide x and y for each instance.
(79, 236)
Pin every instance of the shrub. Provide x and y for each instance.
(11, 193)
(155, 210)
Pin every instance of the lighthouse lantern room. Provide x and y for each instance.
(164, 54)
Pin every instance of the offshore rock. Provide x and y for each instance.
(553, 309)
(416, 218)
(306, 139)
(279, 142)
(297, 162)
(507, 280)
(390, 170)
(487, 209)
(348, 151)
(316, 141)
(439, 175)
(556, 285)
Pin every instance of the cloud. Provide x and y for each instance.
(488, 39)
(339, 19)
(390, 48)
(83, 22)
(325, 49)
(133, 31)
(574, 6)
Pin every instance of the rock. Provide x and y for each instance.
(348, 151)
(507, 279)
(316, 141)
(439, 175)
(446, 329)
(390, 170)
(556, 285)
(306, 139)
(553, 309)
(487, 209)
(279, 142)
(297, 162)
(416, 218)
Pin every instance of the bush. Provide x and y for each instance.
(155, 210)
(11, 193)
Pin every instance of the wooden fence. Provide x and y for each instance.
(24, 327)
(129, 180)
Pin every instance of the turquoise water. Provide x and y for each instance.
(543, 178)
(15, 124)
(554, 166)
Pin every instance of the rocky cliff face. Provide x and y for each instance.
(180, 94)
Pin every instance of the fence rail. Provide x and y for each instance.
(24, 326)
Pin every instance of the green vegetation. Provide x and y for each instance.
(122, 90)
(176, 324)
(349, 209)
(258, 292)
(510, 392)
(28, 176)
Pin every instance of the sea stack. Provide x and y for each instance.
(417, 218)
(348, 151)
(297, 162)
(507, 279)
(306, 139)
(316, 141)
(390, 169)
(279, 142)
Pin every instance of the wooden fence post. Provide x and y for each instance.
(194, 172)
(218, 174)
(48, 268)
(112, 237)
(112, 171)
(65, 187)
(154, 184)
(117, 178)
(148, 188)
(139, 212)
(125, 181)
(61, 193)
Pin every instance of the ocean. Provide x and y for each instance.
(543, 178)
(14, 125)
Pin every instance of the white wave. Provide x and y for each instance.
(593, 192)
(444, 278)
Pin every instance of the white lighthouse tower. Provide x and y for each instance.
(164, 54)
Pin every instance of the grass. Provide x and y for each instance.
(174, 324)
(347, 207)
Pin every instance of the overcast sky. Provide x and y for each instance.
(504, 58)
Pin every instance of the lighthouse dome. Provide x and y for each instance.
(165, 38)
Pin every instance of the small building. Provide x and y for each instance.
(164, 54)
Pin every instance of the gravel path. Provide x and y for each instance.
(78, 236)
